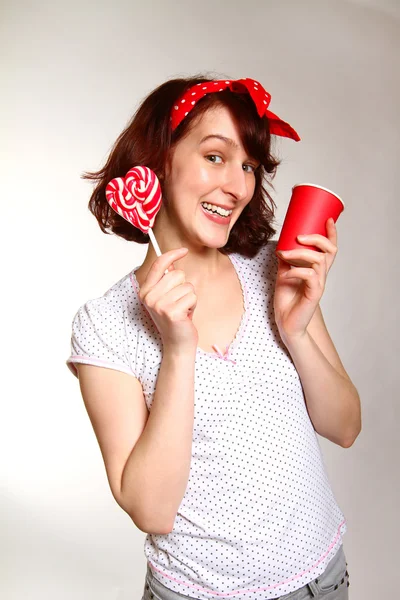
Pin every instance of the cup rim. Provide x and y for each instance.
(321, 188)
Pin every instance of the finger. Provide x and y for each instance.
(332, 231)
(158, 268)
(313, 257)
(177, 298)
(172, 281)
(310, 276)
(320, 241)
(174, 293)
(283, 266)
(183, 305)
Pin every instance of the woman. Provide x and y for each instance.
(205, 385)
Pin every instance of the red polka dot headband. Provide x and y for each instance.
(260, 97)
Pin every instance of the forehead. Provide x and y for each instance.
(216, 120)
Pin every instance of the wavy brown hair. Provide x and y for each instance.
(148, 140)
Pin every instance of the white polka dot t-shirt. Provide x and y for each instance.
(258, 519)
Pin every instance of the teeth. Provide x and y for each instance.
(217, 209)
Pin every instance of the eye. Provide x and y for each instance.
(251, 169)
(213, 156)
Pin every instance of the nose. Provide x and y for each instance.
(235, 182)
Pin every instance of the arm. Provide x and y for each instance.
(156, 474)
(147, 455)
(332, 400)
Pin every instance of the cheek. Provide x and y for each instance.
(195, 182)
(192, 180)
(204, 175)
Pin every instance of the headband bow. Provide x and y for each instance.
(260, 97)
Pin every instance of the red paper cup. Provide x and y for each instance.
(309, 209)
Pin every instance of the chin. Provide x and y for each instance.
(217, 244)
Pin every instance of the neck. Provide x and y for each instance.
(201, 263)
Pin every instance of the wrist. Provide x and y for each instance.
(294, 340)
(182, 353)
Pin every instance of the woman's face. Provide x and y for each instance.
(208, 165)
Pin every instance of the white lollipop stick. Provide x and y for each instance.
(134, 197)
(155, 244)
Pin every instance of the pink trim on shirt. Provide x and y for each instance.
(260, 589)
(87, 360)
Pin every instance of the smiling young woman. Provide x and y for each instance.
(205, 408)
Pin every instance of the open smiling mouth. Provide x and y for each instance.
(215, 217)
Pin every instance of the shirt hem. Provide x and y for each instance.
(245, 594)
(86, 360)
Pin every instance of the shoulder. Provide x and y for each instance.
(106, 330)
(116, 305)
(264, 263)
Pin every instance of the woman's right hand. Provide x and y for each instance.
(170, 301)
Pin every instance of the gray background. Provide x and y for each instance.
(72, 75)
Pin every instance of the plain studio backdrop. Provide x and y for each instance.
(73, 74)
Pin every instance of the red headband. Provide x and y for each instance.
(260, 97)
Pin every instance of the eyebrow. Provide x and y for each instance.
(220, 137)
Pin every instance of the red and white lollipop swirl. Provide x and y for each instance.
(137, 198)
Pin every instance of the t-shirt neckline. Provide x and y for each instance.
(227, 352)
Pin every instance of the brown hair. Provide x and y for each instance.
(148, 139)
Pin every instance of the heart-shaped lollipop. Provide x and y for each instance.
(137, 198)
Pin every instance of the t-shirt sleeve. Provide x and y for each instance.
(99, 338)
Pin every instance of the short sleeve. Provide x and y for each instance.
(99, 337)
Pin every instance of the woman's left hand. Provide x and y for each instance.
(298, 290)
